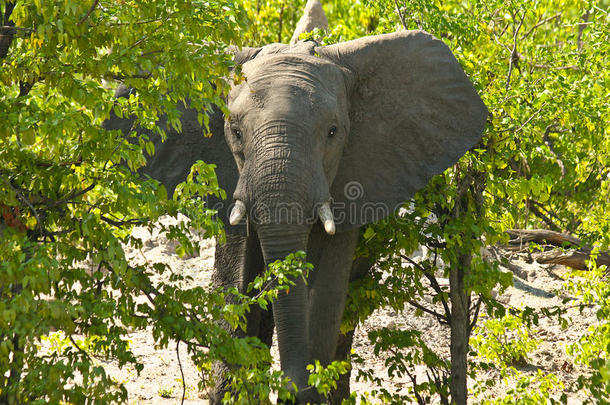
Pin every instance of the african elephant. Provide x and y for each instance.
(340, 134)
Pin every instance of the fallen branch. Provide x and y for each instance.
(576, 259)
(575, 256)
(523, 236)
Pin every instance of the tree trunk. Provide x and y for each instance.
(460, 330)
(6, 36)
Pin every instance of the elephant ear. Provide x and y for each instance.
(413, 113)
(174, 157)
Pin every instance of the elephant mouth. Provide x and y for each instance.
(289, 214)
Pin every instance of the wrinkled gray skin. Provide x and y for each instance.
(380, 115)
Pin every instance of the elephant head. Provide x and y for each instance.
(343, 134)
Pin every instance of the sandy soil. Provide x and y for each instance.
(535, 285)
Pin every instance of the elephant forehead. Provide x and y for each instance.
(281, 99)
(298, 70)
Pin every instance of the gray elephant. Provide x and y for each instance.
(340, 134)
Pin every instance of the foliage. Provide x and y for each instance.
(404, 349)
(505, 341)
(324, 379)
(537, 389)
(593, 349)
(165, 392)
(271, 20)
(69, 194)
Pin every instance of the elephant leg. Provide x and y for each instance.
(360, 269)
(237, 262)
(332, 257)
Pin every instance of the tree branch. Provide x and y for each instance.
(433, 283)
(517, 129)
(552, 129)
(82, 20)
(7, 29)
(569, 67)
(440, 318)
(181, 372)
(72, 195)
(575, 258)
(281, 18)
(581, 29)
(28, 203)
(514, 55)
(520, 236)
(475, 316)
(24, 88)
(402, 17)
(121, 223)
(413, 378)
(536, 208)
(539, 23)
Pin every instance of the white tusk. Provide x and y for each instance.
(326, 216)
(237, 213)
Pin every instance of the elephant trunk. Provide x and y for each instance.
(291, 308)
(279, 189)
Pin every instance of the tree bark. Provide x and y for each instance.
(460, 330)
(6, 37)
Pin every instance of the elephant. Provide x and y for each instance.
(342, 135)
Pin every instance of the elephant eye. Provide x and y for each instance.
(236, 132)
(332, 131)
